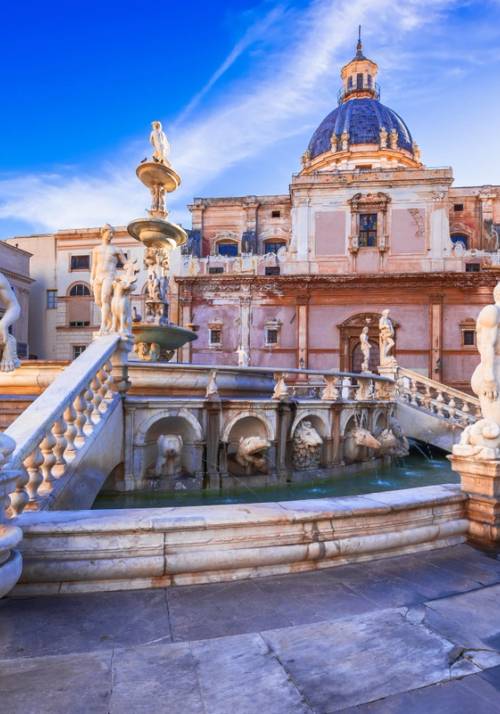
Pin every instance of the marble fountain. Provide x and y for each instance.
(130, 422)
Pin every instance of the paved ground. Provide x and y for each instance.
(409, 634)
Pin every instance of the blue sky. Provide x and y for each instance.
(240, 87)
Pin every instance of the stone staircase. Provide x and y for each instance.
(431, 411)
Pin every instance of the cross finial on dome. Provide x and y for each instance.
(359, 46)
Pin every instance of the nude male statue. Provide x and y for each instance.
(105, 259)
(386, 338)
(9, 360)
(485, 381)
(159, 142)
(365, 349)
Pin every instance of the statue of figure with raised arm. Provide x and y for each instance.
(386, 340)
(159, 142)
(243, 357)
(365, 349)
(105, 259)
(482, 440)
(8, 346)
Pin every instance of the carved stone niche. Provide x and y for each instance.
(350, 349)
(369, 203)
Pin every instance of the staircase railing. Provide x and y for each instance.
(436, 398)
(61, 422)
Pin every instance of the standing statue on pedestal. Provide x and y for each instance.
(243, 358)
(481, 440)
(365, 349)
(386, 340)
(159, 142)
(105, 259)
(8, 347)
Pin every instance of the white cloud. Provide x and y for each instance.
(288, 87)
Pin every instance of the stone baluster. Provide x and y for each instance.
(439, 402)
(70, 417)
(59, 432)
(106, 380)
(452, 408)
(19, 498)
(89, 408)
(427, 398)
(49, 459)
(80, 405)
(96, 398)
(35, 477)
(465, 414)
(414, 393)
(10, 535)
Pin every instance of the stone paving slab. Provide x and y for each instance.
(362, 637)
(30, 627)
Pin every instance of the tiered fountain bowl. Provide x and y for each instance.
(158, 233)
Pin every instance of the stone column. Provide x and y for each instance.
(213, 409)
(245, 306)
(129, 475)
(284, 422)
(302, 330)
(11, 561)
(186, 302)
(436, 324)
(480, 481)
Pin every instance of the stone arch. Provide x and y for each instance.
(177, 423)
(319, 421)
(157, 415)
(86, 292)
(245, 415)
(350, 331)
(379, 421)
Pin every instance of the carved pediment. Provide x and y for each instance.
(370, 201)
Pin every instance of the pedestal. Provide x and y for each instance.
(480, 480)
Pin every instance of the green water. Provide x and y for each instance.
(413, 471)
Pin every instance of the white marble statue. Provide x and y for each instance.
(243, 358)
(168, 461)
(105, 259)
(9, 360)
(386, 339)
(306, 446)
(159, 142)
(365, 349)
(481, 440)
(121, 307)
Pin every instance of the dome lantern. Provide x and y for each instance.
(358, 76)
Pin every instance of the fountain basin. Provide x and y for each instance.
(169, 337)
(152, 173)
(157, 233)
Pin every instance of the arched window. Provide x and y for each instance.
(460, 238)
(273, 246)
(79, 290)
(229, 248)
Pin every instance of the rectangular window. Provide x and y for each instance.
(468, 338)
(272, 246)
(367, 230)
(77, 350)
(275, 214)
(458, 207)
(472, 267)
(229, 249)
(359, 80)
(272, 270)
(216, 270)
(215, 337)
(271, 336)
(80, 262)
(51, 299)
(79, 323)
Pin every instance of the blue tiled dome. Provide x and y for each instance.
(363, 119)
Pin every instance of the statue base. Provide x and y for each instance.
(480, 481)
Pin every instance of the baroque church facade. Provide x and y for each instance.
(293, 278)
(365, 226)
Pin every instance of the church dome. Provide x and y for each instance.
(363, 119)
(361, 132)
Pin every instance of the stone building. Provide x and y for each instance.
(62, 312)
(365, 226)
(15, 265)
(293, 278)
